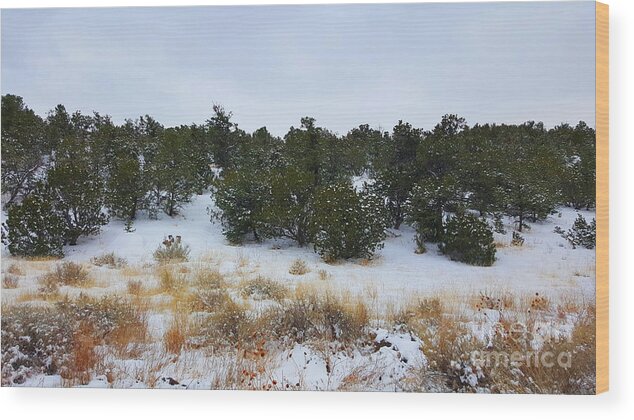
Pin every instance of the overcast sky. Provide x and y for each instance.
(342, 64)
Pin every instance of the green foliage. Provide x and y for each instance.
(78, 192)
(34, 228)
(346, 224)
(469, 240)
(241, 197)
(428, 202)
(125, 187)
(396, 172)
(171, 174)
(582, 233)
(23, 147)
(287, 212)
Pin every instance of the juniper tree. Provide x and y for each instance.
(34, 227)
(77, 191)
(469, 240)
(430, 199)
(287, 212)
(396, 173)
(171, 174)
(23, 147)
(241, 197)
(346, 224)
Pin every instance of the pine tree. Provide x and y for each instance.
(77, 191)
(34, 227)
(469, 240)
(345, 224)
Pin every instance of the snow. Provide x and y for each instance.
(546, 263)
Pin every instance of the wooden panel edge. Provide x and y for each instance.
(602, 195)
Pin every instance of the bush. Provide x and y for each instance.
(582, 233)
(469, 240)
(298, 268)
(34, 228)
(346, 224)
(35, 340)
(262, 288)
(518, 240)
(172, 250)
(9, 281)
(109, 260)
(67, 274)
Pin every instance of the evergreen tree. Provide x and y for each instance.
(396, 173)
(23, 148)
(171, 174)
(125, 189)
(345, 224)
(429, 201)
(287, 213)
(469, 240)
(34, 227)
(77, 191)
(241, 197)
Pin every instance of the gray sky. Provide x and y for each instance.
(342, 64)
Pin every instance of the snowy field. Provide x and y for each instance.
(389, 359)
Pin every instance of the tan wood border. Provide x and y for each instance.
(602, 191)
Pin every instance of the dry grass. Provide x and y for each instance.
(15, 269)
(109, 260)
(298, 268)
(67, 274)
(262, 288)
(176, 335)
(10, 281)
(323, 275)
(170, 280)
(135, 288)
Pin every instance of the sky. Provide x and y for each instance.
(344, 65)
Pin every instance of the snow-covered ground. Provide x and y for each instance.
(545, 264)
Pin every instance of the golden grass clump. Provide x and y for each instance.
(15, 269)
(262, 288)
(10, 281)
(109, 260)
(67, 274)
(298, 268)
(170, 281)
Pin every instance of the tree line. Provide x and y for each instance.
(65, 175)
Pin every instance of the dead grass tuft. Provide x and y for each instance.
(109, 260)
(10, 281)
(298, 268)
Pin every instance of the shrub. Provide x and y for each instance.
(262, 288)
(109, 260)
(172, 250)
(210, 292)
(34, 228)
(298, 268)
(517, 240)
(67, 274)
(35, 340)
(582, 233)
(15, 270)
(346, 224)
(468, 239)
(9, 281)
